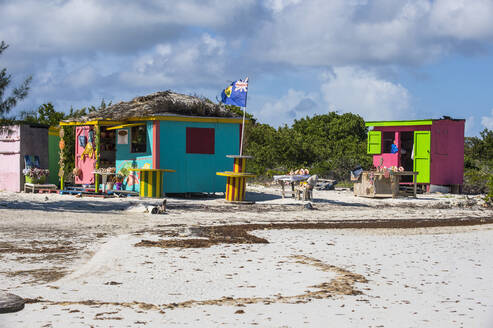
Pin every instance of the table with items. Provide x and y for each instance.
(290, 179)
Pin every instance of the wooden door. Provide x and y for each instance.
(422, 156)
(84, 162)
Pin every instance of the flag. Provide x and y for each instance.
(236, 93)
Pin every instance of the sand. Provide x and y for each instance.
(348, 262)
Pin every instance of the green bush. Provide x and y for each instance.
(475, 182)
(330, 145)
(489, 196)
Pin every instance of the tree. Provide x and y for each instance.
(46, 114)
(329, 145)
(17, 94)
(478, 163)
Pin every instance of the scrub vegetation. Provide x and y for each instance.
(478, 164)
(330, 145)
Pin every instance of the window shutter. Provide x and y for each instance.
(374, 142)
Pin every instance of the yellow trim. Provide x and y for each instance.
(240, 189)
(160, 118)
(53, 131)
(124, 126)
(235, 174)
(158, 184)
(152, 170)
(149, 185)
(189, 119)
(102, 122)
(237, 188)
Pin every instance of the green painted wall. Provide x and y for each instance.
(53, 158)
(399, 123)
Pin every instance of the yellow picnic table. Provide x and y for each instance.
(236, 182)
(151, 182)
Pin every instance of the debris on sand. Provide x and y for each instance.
(239, 234)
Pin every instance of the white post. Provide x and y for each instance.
(242, 131)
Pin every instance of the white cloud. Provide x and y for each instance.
(487, 121)
(88, 26)
(80, 50)
(278, 5)
(362, 92)
(462, 19)
(188, 62)
(342, 32)
(293, 105)
(470, 126)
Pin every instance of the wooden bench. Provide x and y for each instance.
(32, 187)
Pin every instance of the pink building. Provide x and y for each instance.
(16, 141)
(434, 148)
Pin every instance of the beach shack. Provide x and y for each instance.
(158, 132)
(434, 148)
(19, 140)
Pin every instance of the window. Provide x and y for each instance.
(200, 141)
(387, 141)
(139, 139)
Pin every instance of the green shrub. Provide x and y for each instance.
(489, 195)
(475, 181)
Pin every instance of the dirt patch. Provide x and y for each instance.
(38, 275)
(239, 234)
(38, 247)
(342, 284)
(43, 250)
(230, 234)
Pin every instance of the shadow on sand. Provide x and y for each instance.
(69, 205)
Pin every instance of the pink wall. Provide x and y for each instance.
(447, 152)
(10, 149)
(388, 160)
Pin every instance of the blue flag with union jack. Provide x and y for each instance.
(236, 93)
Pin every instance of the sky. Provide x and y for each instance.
(381, 59)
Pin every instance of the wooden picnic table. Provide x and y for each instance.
(33, 187)
(291, 179)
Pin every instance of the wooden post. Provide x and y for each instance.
(97, 140)
(414, 183)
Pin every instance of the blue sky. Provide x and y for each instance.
(381, 59)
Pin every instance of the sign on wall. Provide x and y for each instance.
(122, 137)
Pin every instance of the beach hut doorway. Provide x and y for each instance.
(85, 154)
(107, 148)
(406, 159)
(422, 155)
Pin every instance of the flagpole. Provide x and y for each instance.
(242, 131)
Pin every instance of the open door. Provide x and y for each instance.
(422, 156)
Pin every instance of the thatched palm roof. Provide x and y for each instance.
(157, 104)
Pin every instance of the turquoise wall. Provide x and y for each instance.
(196, 172)
(124, 158)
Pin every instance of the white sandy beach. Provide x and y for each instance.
(77, 260)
